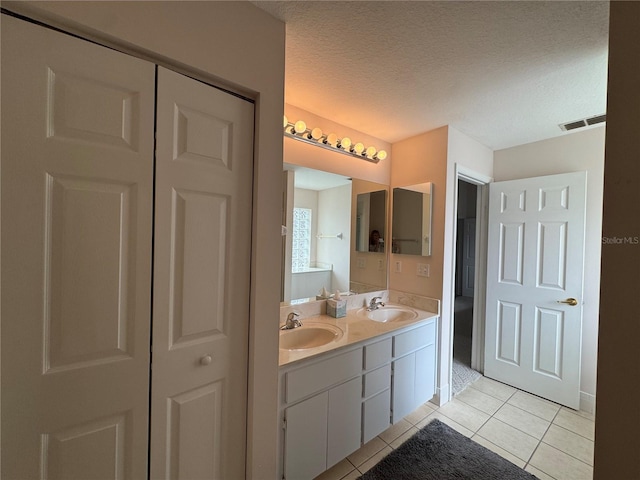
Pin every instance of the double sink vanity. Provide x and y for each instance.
(345, 380)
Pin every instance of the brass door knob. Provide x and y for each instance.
(569, 301)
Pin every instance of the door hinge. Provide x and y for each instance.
(284, 425)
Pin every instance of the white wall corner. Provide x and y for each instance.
(442, 395)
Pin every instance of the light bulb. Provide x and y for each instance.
(345, 143)
(300, 126)
(332, 139)
(316, 133)
(358, 148)
(371, 151)
(381, 155)
(285, 122)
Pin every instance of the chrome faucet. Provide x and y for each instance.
(292, 322)
(375, 303)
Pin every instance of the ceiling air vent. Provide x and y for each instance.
(599, 119)
(583, 123)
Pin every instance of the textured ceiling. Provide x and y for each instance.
(505, 73)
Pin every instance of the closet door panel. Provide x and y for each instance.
(202, 259)
(77, 171)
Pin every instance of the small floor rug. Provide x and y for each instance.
(438, 452)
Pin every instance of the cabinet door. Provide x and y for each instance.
(305, 449)
(425, 374)
(77, 191)
(375, 415)
(344, 420)
(403, 386)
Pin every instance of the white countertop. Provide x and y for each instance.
(356, 328)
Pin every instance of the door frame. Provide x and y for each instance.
(449, 284)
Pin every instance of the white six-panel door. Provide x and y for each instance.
(202, 255)
(77, 171)
(536, 260)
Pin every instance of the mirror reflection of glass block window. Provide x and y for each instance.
(301, 244)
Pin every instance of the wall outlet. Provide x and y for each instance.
(423, 270)
(362, 263)
(398, 266)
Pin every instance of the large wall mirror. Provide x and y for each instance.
(320, 234)
(411, 229)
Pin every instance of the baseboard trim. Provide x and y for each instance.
(587, 403)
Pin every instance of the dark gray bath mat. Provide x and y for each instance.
(438, 452)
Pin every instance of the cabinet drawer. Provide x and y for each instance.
(377, 380)
(322, 375)
(377, 354)
(414, 339)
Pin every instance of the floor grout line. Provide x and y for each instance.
(571, 431)
(566, 453)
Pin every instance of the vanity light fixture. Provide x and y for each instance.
(315, 136)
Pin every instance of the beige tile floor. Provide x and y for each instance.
(546, 439)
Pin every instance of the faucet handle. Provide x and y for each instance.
(375, 303)
(292, 321)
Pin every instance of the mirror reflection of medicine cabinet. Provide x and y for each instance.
(411, 225)
(371, 214)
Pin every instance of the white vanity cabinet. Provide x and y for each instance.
(323, 429)
(413, 379)
(334, 402)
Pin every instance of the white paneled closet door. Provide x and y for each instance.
(77, 172)
(202, 261)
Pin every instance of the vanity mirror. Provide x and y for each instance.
(320, 233)
(411, 229)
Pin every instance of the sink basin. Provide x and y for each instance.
(309, 336)
(390, 313)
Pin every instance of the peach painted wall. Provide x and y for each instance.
(420, 159)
